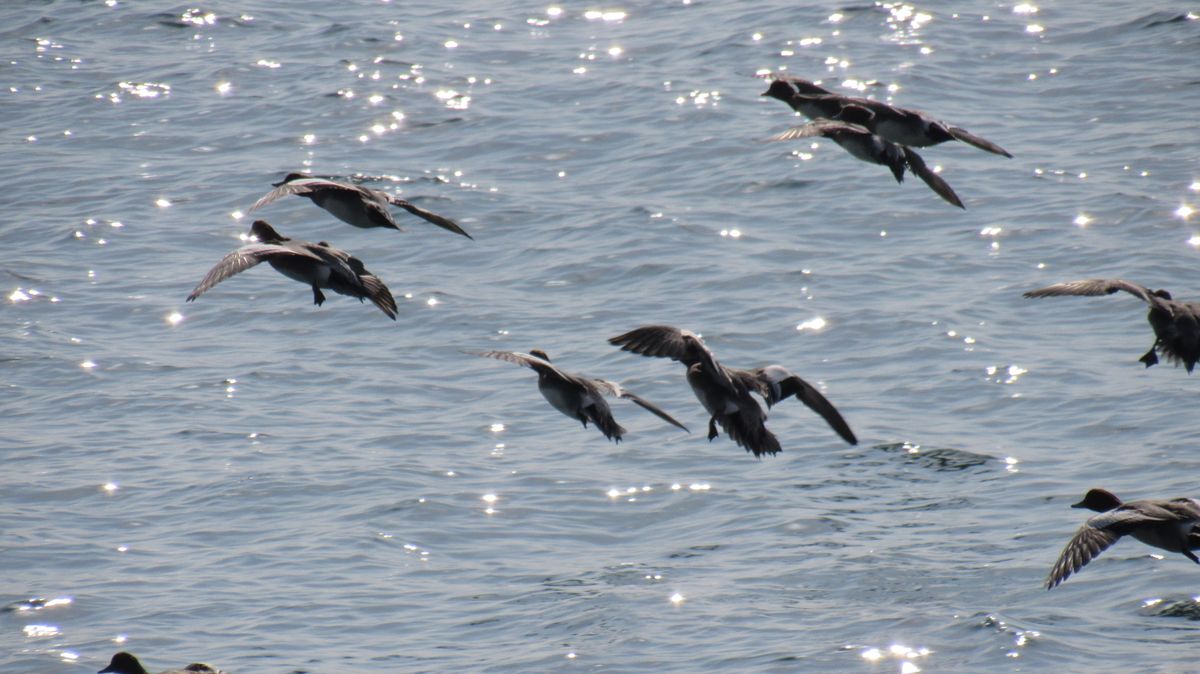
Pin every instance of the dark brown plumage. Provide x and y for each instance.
(1176, 323)
(318, 265)
(579, 397)
(725, 392)
(1170, 525)
(352, 204)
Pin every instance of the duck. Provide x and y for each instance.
(898, 125)
(576, 396)
(874, 149)
(1176, 323)
(352, 204)
(126, 663)
(319, 265)
(1167, 524)
(725, 392)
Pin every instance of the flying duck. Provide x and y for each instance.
(578, 397)
(353, 204)
(1176, 323)
(899, 125)
(725, 392)
(869, 147)
(319, 265)
(1166, 524)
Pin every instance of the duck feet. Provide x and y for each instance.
(1150, 358)
(318, 296)
(712, 428)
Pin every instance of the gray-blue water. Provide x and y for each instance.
(273, 487)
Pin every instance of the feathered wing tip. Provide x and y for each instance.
(429, 216)
(653, 409)
(379, 295)
(1085, 545)
(1097, 286)
(661, 341)
(810, 396)
(237, 261)
(981, 143)
(935, 181)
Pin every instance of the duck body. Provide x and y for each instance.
(317, 265)
(1176, 323)
(904, 126)
(353, 204)
(1167, 524)
(864, 145)
(578, 397)
(725, 392)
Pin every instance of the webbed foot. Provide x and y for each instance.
(1150, 358)
(318, 297)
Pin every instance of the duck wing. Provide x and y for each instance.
(303, 186)
(1099, 286)
(428, 216)
(244, 258)
(1102, 530)
(540, 365)
(978, 141)
(781, 384)
(614, 389)
(818, 127)
(935, 182)
(1087, 543)
(663, 341)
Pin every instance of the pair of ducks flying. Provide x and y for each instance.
(873, 131)
(321, 265)
(724, 392)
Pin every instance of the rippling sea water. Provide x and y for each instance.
(274, 487)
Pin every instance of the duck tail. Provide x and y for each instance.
(750, 434)
(379, 295)
(603, 419)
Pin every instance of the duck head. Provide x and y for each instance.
(1099, 500)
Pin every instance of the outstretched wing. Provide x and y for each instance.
(774, 383)
(979, 142)
(660, 341)
(818, 127)
(614, 389)
(428, 216)
(540, 365)
(935, 182)
(300, 186)
(242, 259)
(1084, 546)
(1094, 286)
(809, 395)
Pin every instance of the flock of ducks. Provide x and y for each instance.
(870, 130)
